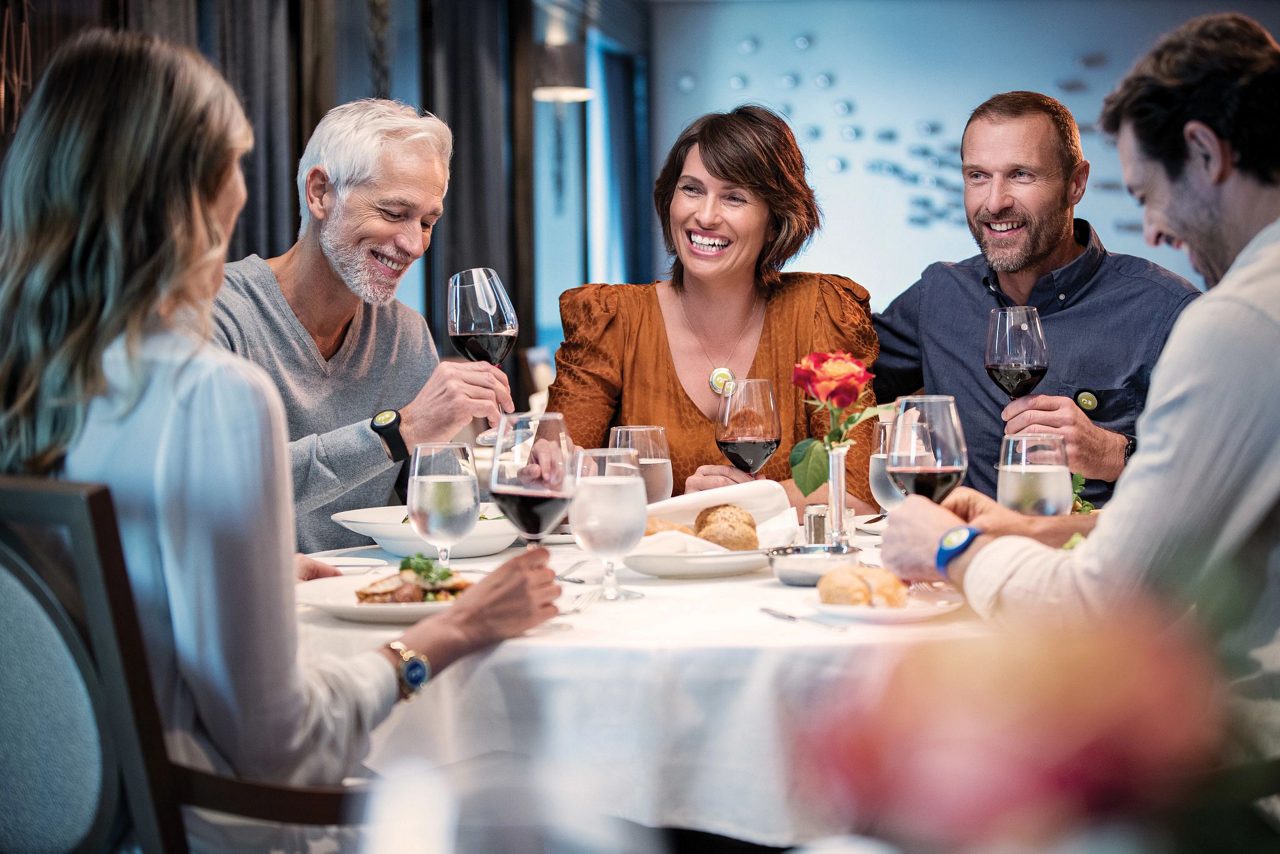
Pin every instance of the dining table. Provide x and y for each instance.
(686, 708)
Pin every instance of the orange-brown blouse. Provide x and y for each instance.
(615, 368)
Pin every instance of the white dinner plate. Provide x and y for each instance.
(353, 565)
(709, 565)
(860, 524)
(388, 529)
(337, 597)
(919, 607)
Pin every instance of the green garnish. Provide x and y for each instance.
(1078, 503)
(484, 518)
(430, 571)
(1075, 539)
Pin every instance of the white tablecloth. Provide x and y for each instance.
(681, 707)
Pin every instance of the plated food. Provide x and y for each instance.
(858, 584)
(420, 579)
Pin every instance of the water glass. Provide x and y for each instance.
(608, 514)
(883, 489)
(650, 445)
(1033, 474)
(444, 498)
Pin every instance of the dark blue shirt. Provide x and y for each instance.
(1105, 319)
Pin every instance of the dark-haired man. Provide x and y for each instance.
(1105, 316)
(1196, 517)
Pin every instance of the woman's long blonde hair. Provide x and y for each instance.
(105, 224)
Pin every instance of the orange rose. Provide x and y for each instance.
(835, 378)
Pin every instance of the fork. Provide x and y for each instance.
(583, 601)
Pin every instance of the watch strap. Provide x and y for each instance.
(414, 670)
(386, 424)
(952, 544)
(1130, 445)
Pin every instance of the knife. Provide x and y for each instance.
(792, 618)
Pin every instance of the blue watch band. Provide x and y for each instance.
(953, 544)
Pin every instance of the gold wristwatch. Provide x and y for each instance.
(414, 670)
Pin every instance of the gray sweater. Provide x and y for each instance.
(337, 461)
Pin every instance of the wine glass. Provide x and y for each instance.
(927, 454)
(883, 489)
(482, 324)
(1017, 356)
(608, 511)
(1033, 477)
(532, 476)
(747, 426)
(650, 444)
(444, 498)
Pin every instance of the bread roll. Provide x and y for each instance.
(731, 513)
(732, 535)
(654, 526)
(856, 584)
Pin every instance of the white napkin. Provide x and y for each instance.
(765, 500)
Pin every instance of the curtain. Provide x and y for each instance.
(468, 88)
(249, 41)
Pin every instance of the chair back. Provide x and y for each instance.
(536, 369)
(78, 728)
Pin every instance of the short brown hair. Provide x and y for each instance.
(753, 148)
(1223, 70)
(1015, 105)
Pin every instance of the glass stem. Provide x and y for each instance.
(610, 581)
(443, 551)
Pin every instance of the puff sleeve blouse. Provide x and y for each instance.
(615, 368)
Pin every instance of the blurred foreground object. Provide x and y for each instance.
(1026, 736)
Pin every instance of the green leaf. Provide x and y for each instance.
(430, 571)
(809, 465)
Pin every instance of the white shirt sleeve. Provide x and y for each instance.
(227, 527)
(1193, 500)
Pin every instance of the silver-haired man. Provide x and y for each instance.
(358, 371)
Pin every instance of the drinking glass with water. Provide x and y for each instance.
(883, 489)
(650, 445)
(1033, 475)
(444, 498)
(608, 511)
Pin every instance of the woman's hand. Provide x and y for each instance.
(308, 568)
(710, 477)
(515, 597)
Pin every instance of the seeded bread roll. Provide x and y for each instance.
(730, 513)
(734, 536)
(856, 584)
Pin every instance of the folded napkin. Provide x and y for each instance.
(765, 500)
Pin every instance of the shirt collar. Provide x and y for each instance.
(1058, 288)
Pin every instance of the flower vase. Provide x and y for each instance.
(838, 529)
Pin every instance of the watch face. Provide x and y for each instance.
(955, 537)
(415, 672)
(385, 417)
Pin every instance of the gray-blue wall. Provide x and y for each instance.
(881, 130)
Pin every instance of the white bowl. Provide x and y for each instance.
(388, 529)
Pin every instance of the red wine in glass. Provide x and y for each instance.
(748, 430)
(491, 347)
(1017, 357)
(1017, 380)
(533, 513)
(927, 454)
(748, 455)
(933, 483)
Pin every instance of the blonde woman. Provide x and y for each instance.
(117, 198)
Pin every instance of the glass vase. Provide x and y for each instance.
(838, 527)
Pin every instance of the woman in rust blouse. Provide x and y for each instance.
(734, 207)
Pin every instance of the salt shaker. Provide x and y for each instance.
(815, 524)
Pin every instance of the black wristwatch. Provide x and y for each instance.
(387, 425)
(1130, 445)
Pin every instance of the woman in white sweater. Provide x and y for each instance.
(118, 195)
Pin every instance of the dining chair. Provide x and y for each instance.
(535, 369)
(82, 752)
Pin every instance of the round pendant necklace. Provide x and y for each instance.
(721, 379)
